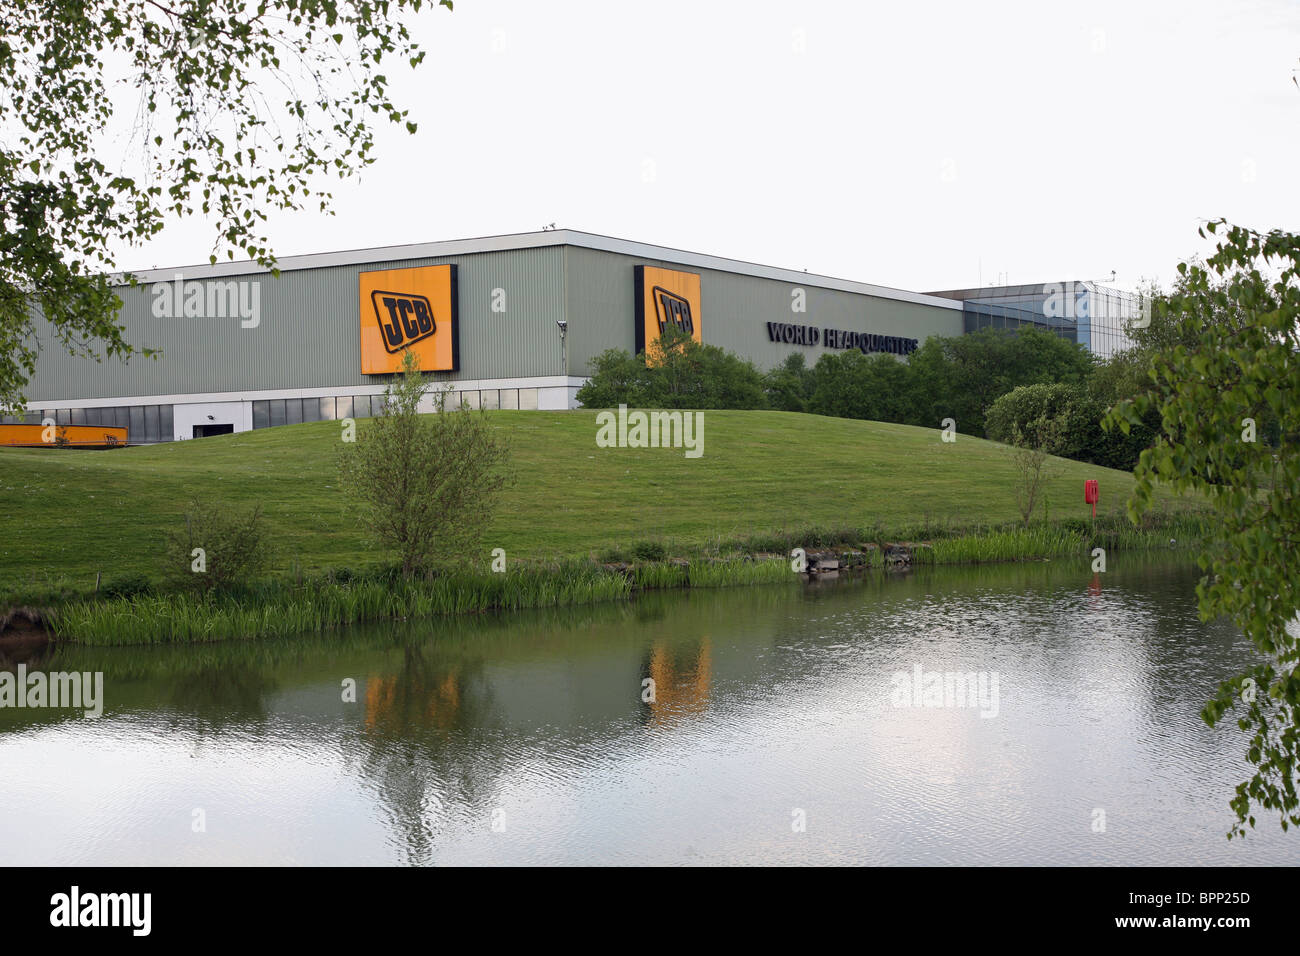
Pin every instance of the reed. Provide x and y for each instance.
(739, 571)
(282, 607)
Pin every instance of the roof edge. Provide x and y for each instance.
(538, 240)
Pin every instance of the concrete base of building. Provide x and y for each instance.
(161, 418)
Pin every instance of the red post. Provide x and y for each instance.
(1091, 492)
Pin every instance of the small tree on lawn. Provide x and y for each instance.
(1032, 447)
(425, 486)
(220, 548)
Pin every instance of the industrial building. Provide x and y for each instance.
(510, 322)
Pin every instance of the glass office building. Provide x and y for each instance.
(1095, 316)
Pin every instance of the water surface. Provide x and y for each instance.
(524, 738)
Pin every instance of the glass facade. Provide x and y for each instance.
(1094, 316)
(982, 315)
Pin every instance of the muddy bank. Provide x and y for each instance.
(23, 634)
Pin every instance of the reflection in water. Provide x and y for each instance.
(681, 681)
(525, 738)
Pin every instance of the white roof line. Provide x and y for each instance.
(535, 240)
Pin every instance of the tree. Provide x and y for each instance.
(1082, 437)
(675, 371)
(1123, 376)
(426, 486)
(219, 548)
(961, 377)
(1231, 363)
(789, 386)
(243, 106)
(1032, 447)
(1126, 374)
(853, 385)
(617, 377)
(684, 373)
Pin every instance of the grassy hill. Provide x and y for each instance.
(68, 514)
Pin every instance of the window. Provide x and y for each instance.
(361, 406)
(261, 414)
(343, 406)
(509, 398)
(277, 411)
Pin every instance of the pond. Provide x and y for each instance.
(1020, 714)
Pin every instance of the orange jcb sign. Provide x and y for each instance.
(665, 297)
(409, 309)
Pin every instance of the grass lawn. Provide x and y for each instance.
(68, 514)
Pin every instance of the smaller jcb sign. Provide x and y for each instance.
(412, 309)
(663, 298)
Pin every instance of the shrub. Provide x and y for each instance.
(1032, 448)
(217, 550)
(128, 586)
(649, 551)
(425, 486)
(674, 372)
(1081, 437)
(789, 386)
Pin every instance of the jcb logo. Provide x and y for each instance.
(672, 309)
(666, 298)
(421, 319)
(403, 318)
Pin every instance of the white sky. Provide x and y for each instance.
(917, 145)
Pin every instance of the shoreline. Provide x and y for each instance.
(280, 607)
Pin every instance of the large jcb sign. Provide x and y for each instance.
(411, 309)
(665, 297)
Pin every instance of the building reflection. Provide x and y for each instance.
(682, 675)
(399, 701)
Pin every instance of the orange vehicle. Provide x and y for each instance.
(62, 436)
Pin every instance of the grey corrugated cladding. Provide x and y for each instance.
(308, 335)
(735, 310)
(308, 332)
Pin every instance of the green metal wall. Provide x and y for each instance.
(735, 310)
(308, 332)
(309, 337)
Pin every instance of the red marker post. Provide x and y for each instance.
(1090, 495)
